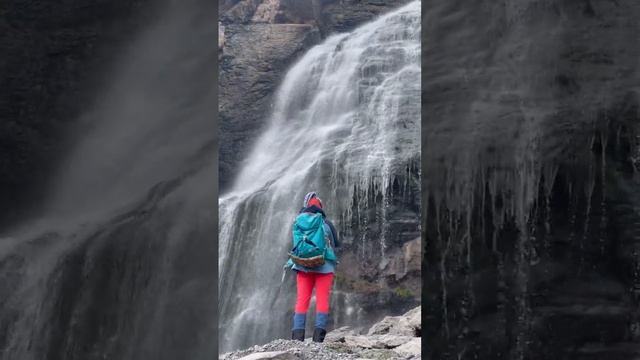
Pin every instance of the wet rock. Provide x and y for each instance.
(408, 259)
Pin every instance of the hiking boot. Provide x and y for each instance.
(318, 334)
(297, 334)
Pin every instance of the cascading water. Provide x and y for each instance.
(531, 197)
(119, 262)
(345, 124)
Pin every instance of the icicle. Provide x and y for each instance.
(603, 208)
(443, 268)
(589, 188)
(551, 175)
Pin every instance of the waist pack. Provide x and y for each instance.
(311, 246)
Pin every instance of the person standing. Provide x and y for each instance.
(316, 272)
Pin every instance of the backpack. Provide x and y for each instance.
(310, 243)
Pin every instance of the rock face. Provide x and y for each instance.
(262, 38)
(382, 342)
(407, 260)
(253, 61)
(531, 192)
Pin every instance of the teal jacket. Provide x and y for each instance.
(329, 266)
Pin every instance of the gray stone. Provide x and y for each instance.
(339, 334)
(381, 354)
(377, 341)
(414, 318)
(393, 325)
(412, 348)
(383, 326)
(359, 341)
(389, 341)
(408, 324)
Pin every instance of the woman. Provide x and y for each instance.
(320, 278)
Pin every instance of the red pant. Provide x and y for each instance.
(306, 282)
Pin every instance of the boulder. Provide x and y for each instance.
(408, 324)
(414, 318)
(394, 325)
(376, 341)
(339, 334)
(359, 342)
(412, 348)
(389, 341)
(379, 354)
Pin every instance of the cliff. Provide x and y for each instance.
(262, 39)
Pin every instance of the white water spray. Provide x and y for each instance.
(346, 123)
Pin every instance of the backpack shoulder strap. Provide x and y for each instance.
(327, 234)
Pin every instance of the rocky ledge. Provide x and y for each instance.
(395, 337)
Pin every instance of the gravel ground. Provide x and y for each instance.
(316, 351)
(346, 343)
(305, 350)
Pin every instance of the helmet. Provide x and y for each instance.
(312, 199)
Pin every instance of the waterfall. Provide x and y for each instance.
(118, 262)
(529, 179)
(345, 123)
